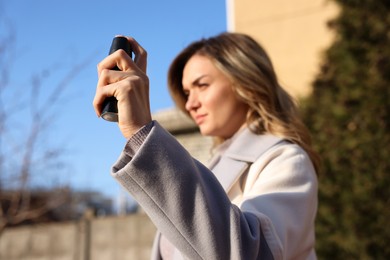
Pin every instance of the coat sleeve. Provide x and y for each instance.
(188, 205)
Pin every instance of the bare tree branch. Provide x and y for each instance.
(28, 152)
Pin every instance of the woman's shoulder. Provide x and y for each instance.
(285, 149)
(286, 159)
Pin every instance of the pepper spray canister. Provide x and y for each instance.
(110, 104)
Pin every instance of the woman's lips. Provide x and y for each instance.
(199, 119)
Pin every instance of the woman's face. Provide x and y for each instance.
(211, 101)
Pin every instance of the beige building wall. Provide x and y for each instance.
(294, 33)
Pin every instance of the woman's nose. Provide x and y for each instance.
(192, 102)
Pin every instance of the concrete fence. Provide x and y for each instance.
(110, 238)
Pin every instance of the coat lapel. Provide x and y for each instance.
(244, 149)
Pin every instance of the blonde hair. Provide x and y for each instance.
(271, 109)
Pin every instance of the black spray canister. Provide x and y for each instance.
(110, 106)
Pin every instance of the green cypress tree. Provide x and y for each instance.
(349, 117)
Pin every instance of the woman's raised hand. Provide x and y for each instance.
(130, 86)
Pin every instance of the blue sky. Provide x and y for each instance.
(55, 36)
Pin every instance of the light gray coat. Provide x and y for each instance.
(260, 203)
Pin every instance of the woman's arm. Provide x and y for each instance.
(189, 206)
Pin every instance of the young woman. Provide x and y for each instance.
(257, 198)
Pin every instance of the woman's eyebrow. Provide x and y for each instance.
(195, 82)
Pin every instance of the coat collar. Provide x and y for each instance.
(240, 152)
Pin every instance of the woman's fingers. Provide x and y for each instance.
(129, 85)
(118, 59)
(123, 61)
(140, 54)
(106, 87)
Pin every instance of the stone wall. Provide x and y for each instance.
(113, 238)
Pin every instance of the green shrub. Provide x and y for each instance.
(349, 117)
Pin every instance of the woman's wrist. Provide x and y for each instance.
(136, 140)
